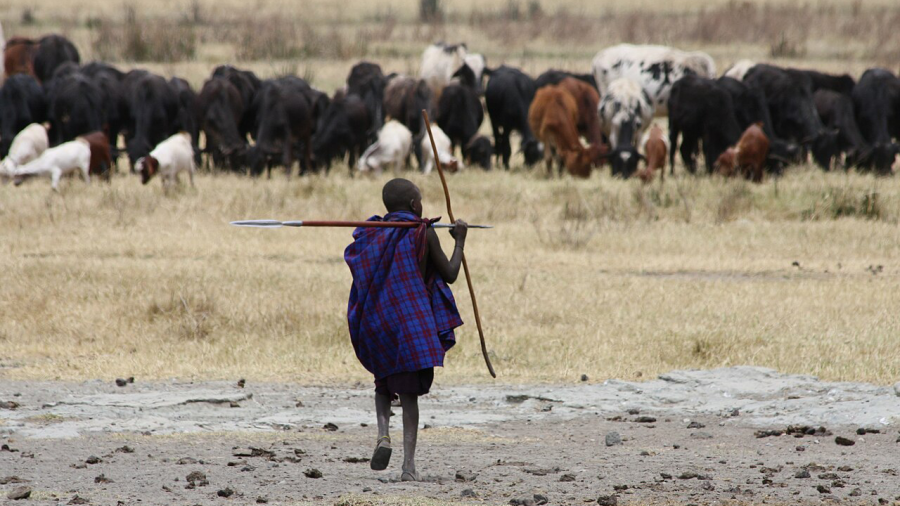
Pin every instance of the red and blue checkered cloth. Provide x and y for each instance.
(399, 322)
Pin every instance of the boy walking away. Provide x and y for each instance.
(401, 312)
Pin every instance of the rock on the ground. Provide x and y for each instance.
(469, 493)
(225, 492)
(465, 476)
(19, 493)
(312, 473)
(608, 500)
(842, 441)
(613, 439)
(802, 474)
(93, 459)
(897, 388)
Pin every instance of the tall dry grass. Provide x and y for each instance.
(601, 277)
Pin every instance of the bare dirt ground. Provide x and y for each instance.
(687, 437)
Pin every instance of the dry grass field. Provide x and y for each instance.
(600, 277)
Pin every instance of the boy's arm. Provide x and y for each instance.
(447, 268)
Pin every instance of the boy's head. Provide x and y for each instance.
(402, 195)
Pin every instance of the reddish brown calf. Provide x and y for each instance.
(656, 147)
(553, 117)
(18, 57)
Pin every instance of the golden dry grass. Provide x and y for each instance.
(599, 277)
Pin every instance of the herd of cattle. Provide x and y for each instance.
(59, 116)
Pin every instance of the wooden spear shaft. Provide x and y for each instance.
(437, 162)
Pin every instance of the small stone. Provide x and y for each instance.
(695, 425)
(8, 405)
(241, 382)
(608, 500)
(196, 479)
(861, 431)
(125, 449)
(468, 493)
(735, 412)
(312, 473)
(102, 479)
(856, 492)
(465, 476)
(802, 474)
(619, 488)
(262, 500)
(232, 404)
(613, 439)
(121, 382)
(186, 461)
(93, 459)
(665, 476)
(541, 499)
(897, 389)
(645, 453)
(800, 448)
(708, 486)
(842, 441)
(687, 475)
(19, 493)
(78, 500)
(584, 377)
(225, 492)
(634, 411)
(330, 427)
(567, 478)
(645, 419)
(823, 489)
(299, 404)
(701, 435)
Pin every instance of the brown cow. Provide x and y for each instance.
(656, 147)
(553, 117)
(101, 159)
(751, 152)
(18, 57)
(587, 98)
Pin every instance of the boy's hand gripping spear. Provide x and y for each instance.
(437, 162)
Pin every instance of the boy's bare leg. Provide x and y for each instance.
(382, 454)
(410, 436)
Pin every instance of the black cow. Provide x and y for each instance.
(51, 52)
(367, 81)
(75, 105)
(344, 130)
(248, 85)
(188, 113)
(404, 100)
(836, 111)
(109, 80)
(876, 100)
(22, 102)
(794, 116)
(750, 107)
(821, 81)
(508, 96)
(460, 112)
(153, 112)
(700, 109)
(554, 76)
(284, 126)
(220, 109)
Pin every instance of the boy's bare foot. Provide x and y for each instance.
(382, 455)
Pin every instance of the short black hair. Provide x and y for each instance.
(398, 193)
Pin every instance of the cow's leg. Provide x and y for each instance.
(688, 144)
(673, 146)
(55, 174)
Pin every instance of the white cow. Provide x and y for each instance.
(26, 146)
(740, 69)
(393, 145)
(655, 68)
(59, 161)
(168, 158)
(444, 148)
(440, 61)
(625, 113)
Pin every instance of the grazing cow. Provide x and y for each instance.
(553, 117)
(876, 99)
(836, 111)
(625, 112)
(75, 105)
(22, 102)
(656, 148)
(367, 81)
(508, 96)
(751, 152)
(344, 130)
(101, 155)
(821, 81)
(554, 76)
(51, 52)
(285, 125)
(700, 110)
(479, 151)
(248, 85)
(725, 164)
(460, 113)
(654, 68)
(18, 56)
(187, 117)
(168, 159)
(392, 147)
(588, 100)
(220, 109)
(444, 149)
(440, 62)
(59, 161)
(27, 146)
(109, 80)
(153, 112)
(794, 116)
(404, 100)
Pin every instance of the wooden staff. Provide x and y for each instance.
(437, 161)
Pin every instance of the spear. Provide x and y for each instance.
(437, 162)
(346, 224)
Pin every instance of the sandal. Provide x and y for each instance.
(408, 476)
(382, 455)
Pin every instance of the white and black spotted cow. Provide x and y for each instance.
(655, 68)
(625, 113)
(441, 61)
